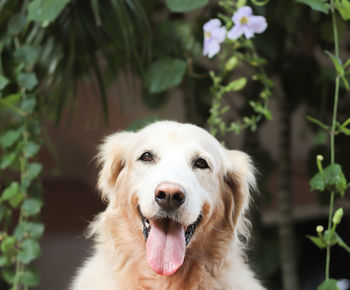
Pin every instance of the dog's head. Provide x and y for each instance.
(176, 178)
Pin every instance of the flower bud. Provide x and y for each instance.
(338, 216)
(319, 157)
(319, 229)
(231, 63)
(241, 3)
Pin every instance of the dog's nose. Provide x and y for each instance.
(170, 196)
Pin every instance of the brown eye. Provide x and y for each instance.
(201, 163)
(147, 157)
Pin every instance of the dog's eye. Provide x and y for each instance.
(147, 157)
(200, 163)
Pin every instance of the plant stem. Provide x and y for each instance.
(334, 118)
(328, 255)
(334, 121)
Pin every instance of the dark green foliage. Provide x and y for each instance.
(318, 5)
(46, 47)
(185, 5)
(164, 74)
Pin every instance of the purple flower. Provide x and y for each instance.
(246, 23)
(214, 34)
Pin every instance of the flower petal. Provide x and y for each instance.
(211, 48)
(219, 34)
(248, 33)
(211, 24)
(235, 32)
(244, 11)
(257, 24)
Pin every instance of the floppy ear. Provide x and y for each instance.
(112, 158)
(239, 176)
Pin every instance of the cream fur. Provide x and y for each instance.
(214, 257)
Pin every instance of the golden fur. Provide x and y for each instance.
(214, 257)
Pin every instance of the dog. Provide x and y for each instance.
(176, 213)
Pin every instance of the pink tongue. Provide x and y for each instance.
(165, 247)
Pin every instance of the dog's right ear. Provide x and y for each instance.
(111, 158)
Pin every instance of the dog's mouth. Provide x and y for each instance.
(166, 242)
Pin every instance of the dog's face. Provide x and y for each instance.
(176, 177)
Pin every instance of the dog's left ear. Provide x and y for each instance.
(112, 158)
(240, 178)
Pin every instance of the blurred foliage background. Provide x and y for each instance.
(49, 47)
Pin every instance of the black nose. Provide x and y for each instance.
(169, 196)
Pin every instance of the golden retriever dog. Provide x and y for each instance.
(177, 201)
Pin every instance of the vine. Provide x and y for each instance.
(21, 110)
(238, 52)
(332, 178)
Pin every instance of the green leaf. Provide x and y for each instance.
(4, 261)
(9, 101)
(10, 191)
(8, 275)
(29, 229)
(185, 5)
(265, 94)
(30, 278)
(10, 137)
(30, 149)
(318, 241)
(7, 160)
(30, 250)
(16, 24)
(27, 54)
(32, 206)
(3, 82)
(343, 8)
(317, 182)
(329, 284)
(27, 80)
(341, 243)
(236, 85)
(347, 63)
(45, 11)
(28, 105)
(334, 176)
(343, 127)
(33, 170)
(317, 5)
(164, 74)
(330, 237)
(337, 63)
(8, 244)
(17, 200)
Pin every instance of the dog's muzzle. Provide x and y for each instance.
(188, 232)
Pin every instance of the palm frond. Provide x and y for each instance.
(85, 34)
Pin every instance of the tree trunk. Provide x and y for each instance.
(284, 198)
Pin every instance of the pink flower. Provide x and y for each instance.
(214, 35)
(246, 23)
